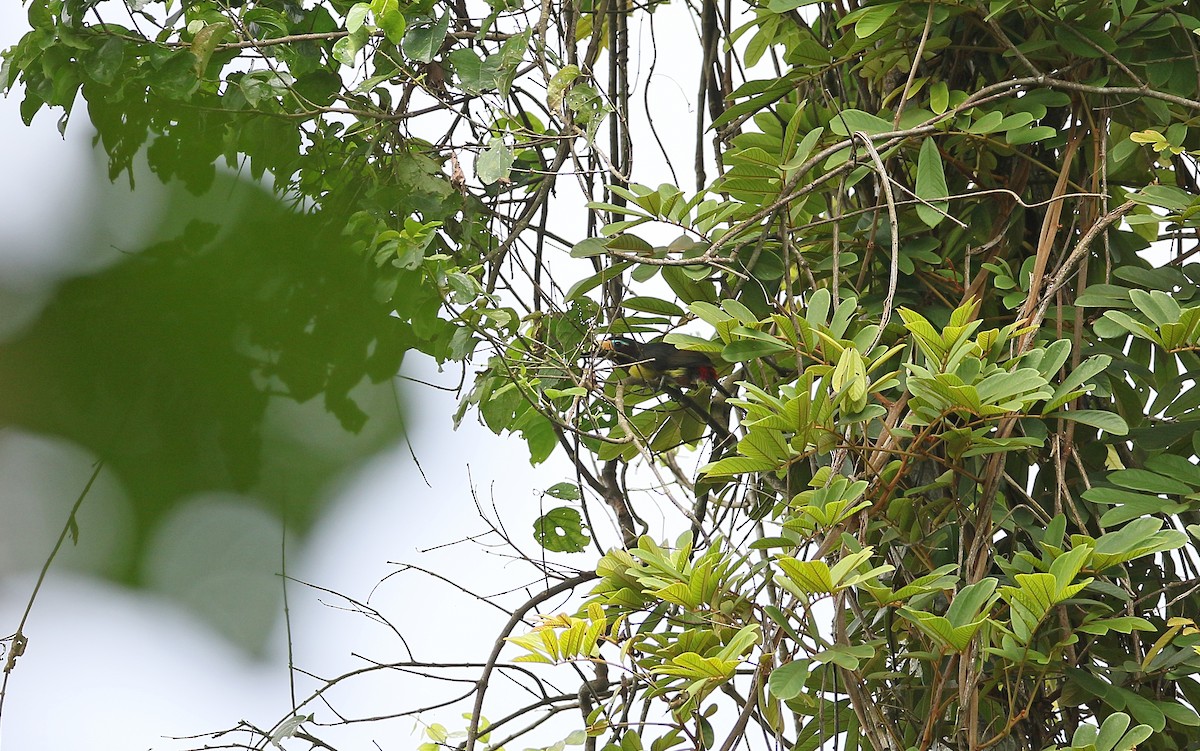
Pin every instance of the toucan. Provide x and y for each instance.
(657, 362)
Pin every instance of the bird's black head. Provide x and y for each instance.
(621, 349)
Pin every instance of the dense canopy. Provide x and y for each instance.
(938, 253)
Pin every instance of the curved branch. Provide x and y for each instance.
(518, 615)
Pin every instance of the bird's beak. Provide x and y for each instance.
(604, 346)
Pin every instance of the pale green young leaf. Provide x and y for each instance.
(787, 680)
(853, 121)
(969, 600)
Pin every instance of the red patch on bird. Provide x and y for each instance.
(706, 373)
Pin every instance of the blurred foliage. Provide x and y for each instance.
(166, 363)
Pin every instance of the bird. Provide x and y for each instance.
(660, 362)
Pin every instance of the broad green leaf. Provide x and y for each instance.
(1075, 381)
(1120, 624)
(422, 43)
(592, 246)
(357, 16)
(653, 305)
(1111, 731)
(564, 491)
(495, 162)
(1176, 467)
(804, 149)
(783, 6)
(1031, 134)
(1138, 538)
(746, 637)
(751, 349)
(1143, 710)
(848, 656)
(939, 97)
(852, 121)
(1110, 422)
(969, 600)
(988, 122)
(205, 41)
(694, 666)
(737, 465)
(954, 637)
(475, 74)
(739, 311)
(1179, 714)
(693, 343)
(931, 184)
(583, 286)
(871, 19)
(392, 23)
(1151, 482)
(346, 49)
(1165, 196)
(787, 680)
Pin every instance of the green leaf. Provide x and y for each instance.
(736, 465)
(871, 19)
(495, 162)
(968, 601)
(356, 17)
(750, 349)
(267, 19)
(1175, 466)
(1165, 196)
(783, 6)
(1022, 136)
(956, 637)
(629, 243)
(1075, 380)
(1145, 711)
(744, 315)
(787, 680)
(421, 43)
(848, 656)
(104, 64)
(1120, 624)
(585, 285)
(1158, 306)
(1179, 714)
(939, 97)
(346, 49)
(392, 23)
(693, 343)
(987, 123)
(474, 74)
(1111, 731)
(1110, 422)
(804, 149)
(852, 121)
(1151, 482)
(1140, 537)
(560, 82)
(652, 305)
(560, 530)
(710, 313)
(587, 248)
(564, 491)
(931, 184)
